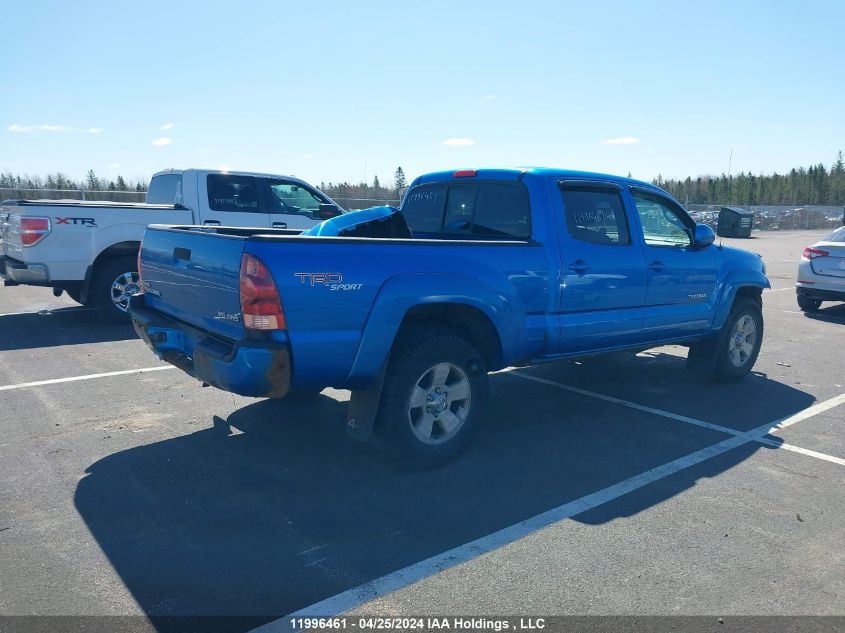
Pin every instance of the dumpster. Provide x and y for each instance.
(735, 222)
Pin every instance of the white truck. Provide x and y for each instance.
(89, 249)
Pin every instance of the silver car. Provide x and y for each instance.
(821, 273)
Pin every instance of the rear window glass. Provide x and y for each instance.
(233, 193)
(482, 210)
(165, 189)
(837, 236)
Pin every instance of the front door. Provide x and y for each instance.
(603, 276)
(681, 278)
(292, 205)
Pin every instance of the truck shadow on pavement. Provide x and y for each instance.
(829, 314)
(273, 509)
(64, 326)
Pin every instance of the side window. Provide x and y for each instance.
(291, 197)
(502, 210)
(423, 208)
(595, 214)
(233, 193)
(663, 223)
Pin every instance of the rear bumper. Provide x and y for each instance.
(822, 294)
(259, 370)
(17, 272)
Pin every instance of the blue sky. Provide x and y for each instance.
(332, 91)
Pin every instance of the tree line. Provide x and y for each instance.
(92, 182)
(342, 190)
(802, 186)
(366, 191)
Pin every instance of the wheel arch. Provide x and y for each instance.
(739, 286)
(128, 248)
(487, 318)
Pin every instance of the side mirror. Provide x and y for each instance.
(328, 210)
(704, 236)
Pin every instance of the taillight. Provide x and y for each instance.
(465, 173)
(140, 277)
(33, 230)
(812, 253)
(260, 303)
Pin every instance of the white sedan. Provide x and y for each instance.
(821, 272)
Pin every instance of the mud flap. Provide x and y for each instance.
(363, 408)
(704, 354)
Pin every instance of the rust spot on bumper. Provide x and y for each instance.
(279, 374)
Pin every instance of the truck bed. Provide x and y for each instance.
(329, 285)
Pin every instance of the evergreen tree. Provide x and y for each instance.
(91, 180)
(121, 184)
(399, 181)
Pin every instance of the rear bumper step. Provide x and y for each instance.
(15, 272)
(262, 370)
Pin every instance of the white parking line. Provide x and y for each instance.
(817, 316)
(778, 289)
(56, 381)
(46, 311)
(809, 412)
(391, 582)
(754, 435)
(367, 592)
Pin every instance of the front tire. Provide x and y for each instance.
(433, 397)
(740, 344)
(807, 304)
(114, 282)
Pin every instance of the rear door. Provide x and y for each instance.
(680, 278)
(235, 200)
(602, 287)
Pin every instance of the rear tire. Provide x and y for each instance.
(433, 398)
(114, 282)
(806, 304)
(740, 343)
(76, 295)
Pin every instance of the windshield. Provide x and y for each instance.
(837, 236)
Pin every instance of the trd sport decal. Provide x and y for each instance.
(332, 281)
(77, 221)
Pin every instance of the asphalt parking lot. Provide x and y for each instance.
(612, 485)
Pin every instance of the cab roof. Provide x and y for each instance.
(519, 173)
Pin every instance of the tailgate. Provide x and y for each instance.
(833, 264)
(193, 275)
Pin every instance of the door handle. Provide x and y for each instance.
(182, 253)
(280, 225)
(579, 266)
(656, 266)
(212, 223)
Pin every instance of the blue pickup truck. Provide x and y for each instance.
(410, 309)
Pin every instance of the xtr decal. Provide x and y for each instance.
(77, 221)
